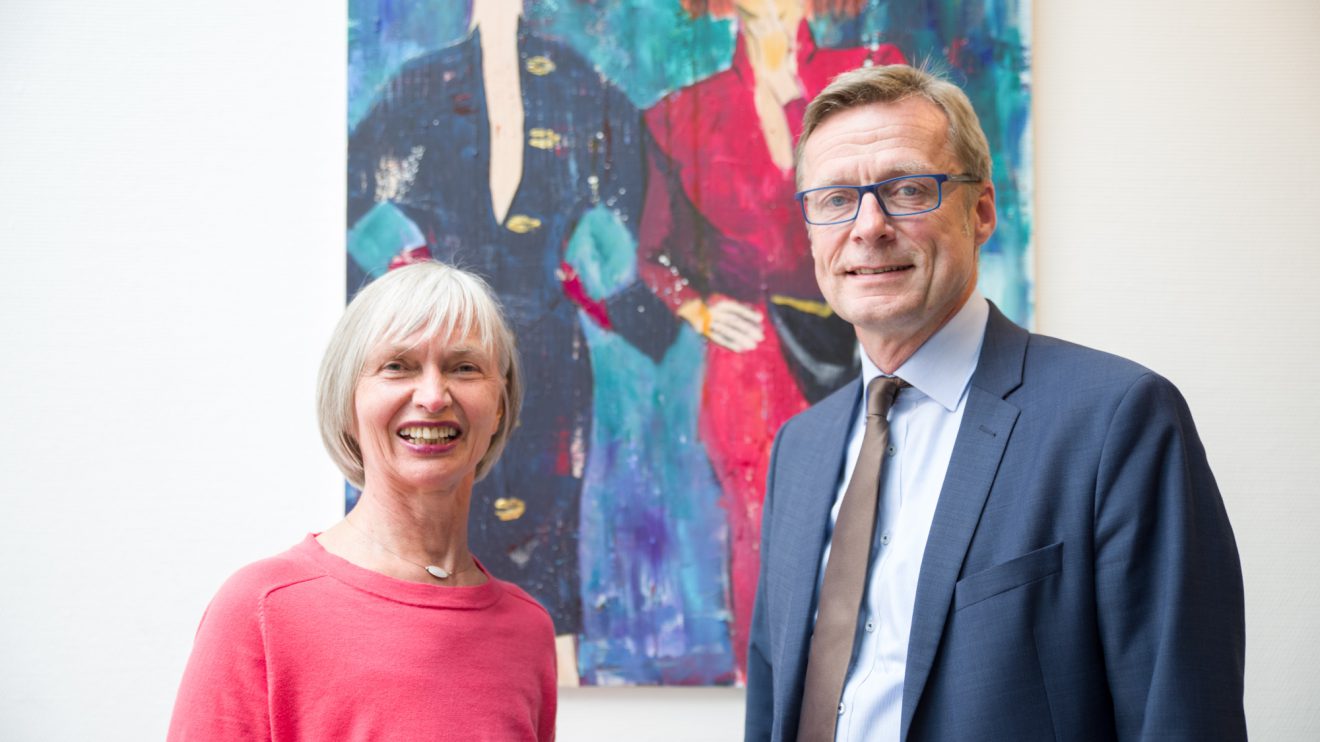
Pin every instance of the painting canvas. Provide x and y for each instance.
(620, 171)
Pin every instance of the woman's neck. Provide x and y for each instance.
(400, 535)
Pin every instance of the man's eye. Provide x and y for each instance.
(839, 198)
(907, 190)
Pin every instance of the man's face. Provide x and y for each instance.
(896, 279)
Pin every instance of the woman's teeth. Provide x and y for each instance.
(417, 434)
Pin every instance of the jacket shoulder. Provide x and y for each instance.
(1053, 363)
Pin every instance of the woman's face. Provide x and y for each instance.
(425, 411)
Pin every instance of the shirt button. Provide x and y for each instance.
(840, 708)
(891, 450)
(884, 539)
(870, 625)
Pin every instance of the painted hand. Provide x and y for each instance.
(725, 322)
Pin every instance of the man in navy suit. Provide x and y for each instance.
(1051, 557)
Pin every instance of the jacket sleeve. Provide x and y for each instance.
(673, 257)
(759, 721)
(1168, 579)
(223, 695)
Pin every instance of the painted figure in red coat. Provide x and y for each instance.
(724, 246)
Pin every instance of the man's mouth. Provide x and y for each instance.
(878, 271)
(428, 435)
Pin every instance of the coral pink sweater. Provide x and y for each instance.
(306, 646)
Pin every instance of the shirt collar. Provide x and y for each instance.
(942, 367)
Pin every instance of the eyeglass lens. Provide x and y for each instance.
(900, 196)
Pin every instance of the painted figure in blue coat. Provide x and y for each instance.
(508, 154)
(1051, 556)
(492, 151)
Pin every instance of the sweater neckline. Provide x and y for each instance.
(400, 591)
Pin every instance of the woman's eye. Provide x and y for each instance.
(392, 366)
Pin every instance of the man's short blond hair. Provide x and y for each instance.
(891, 84)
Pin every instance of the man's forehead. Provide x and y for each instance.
(875, 138)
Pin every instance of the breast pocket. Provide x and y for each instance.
(1023, 570)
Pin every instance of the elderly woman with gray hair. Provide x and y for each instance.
(384, 626)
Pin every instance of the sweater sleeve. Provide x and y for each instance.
(223, 695)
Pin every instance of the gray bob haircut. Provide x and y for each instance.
(436, 299)
(890, 84)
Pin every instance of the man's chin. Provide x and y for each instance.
(879, 313)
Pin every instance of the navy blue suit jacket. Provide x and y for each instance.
(1080, 581)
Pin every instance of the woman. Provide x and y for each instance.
(384, 626)
(723, 245)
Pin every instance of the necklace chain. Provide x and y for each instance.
(431, 569)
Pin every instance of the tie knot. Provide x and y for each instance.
(880, 394)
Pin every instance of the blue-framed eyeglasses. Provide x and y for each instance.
(906, 195)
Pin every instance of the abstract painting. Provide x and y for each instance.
(620, 171)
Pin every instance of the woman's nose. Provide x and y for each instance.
(432, 392)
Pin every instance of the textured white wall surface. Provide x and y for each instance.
(171, 237)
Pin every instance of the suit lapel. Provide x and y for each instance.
(982, 437)
(807, 507)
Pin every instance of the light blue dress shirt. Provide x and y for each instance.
(923, 425)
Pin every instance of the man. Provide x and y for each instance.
(1048, 555)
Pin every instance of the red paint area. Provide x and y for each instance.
(573, 289)
(408, 256)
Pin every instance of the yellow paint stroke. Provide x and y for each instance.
(818, 308)
(509, 508)
(540, 66)
(543, 138)
(522, 224)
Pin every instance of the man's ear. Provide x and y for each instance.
(983, 216)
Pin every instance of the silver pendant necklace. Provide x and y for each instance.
(437, 572)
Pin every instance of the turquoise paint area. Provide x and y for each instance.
(603, 251)
(379, 235)
(649, 48)
(653, 545)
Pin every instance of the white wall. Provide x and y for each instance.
(171, 207)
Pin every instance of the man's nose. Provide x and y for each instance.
(871, 218)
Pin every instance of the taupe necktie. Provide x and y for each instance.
(845, 572)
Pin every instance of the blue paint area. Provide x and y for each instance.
(383, 34)
(653, 546)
